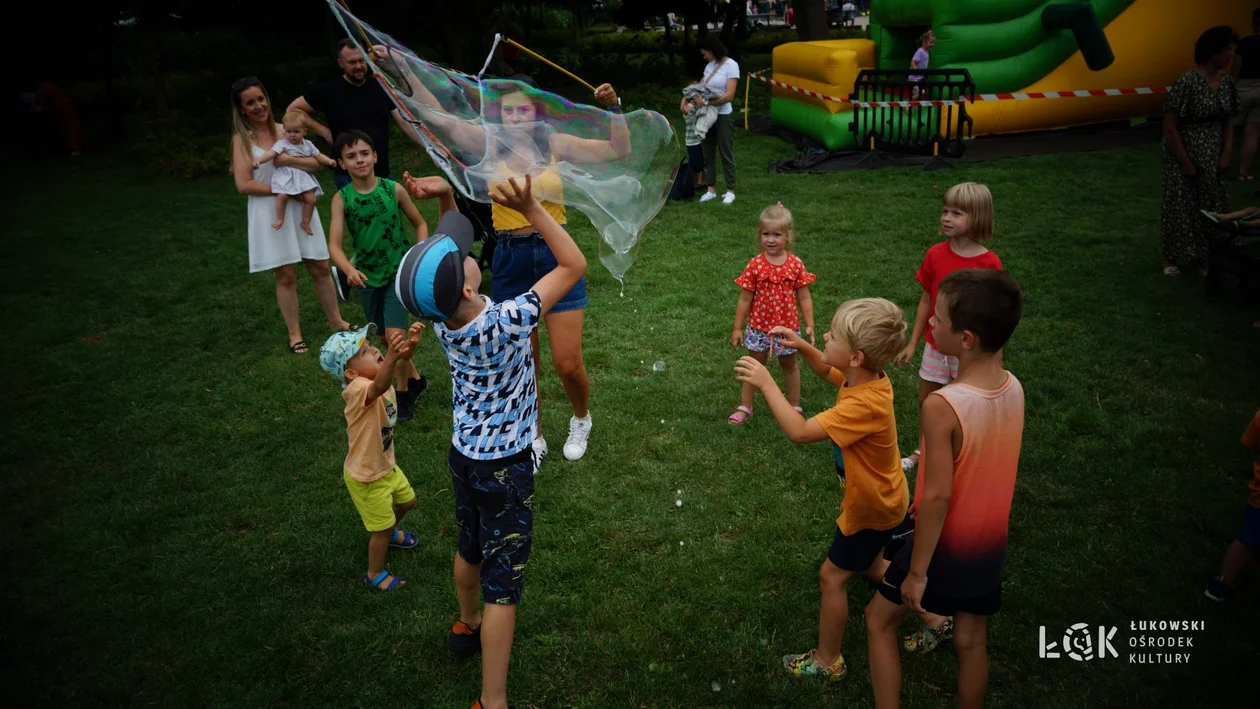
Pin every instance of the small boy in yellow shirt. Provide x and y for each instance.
(865, 335)
(1246, 548)
(377, 486)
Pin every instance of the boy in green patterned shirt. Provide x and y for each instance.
(370, 211)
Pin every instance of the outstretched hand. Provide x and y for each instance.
(513, 196)
(788, 338)
(753, 372)
(425, 187)
(406, 346)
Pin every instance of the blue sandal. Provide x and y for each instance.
(394, 582)
(408, 540)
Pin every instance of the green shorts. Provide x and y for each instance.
(381, 306)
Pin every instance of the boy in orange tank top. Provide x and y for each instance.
(962, 505)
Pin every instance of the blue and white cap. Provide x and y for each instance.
(430, 278)
(340, 348)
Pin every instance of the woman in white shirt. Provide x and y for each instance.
(722, 73)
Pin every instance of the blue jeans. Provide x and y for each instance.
(520, 261)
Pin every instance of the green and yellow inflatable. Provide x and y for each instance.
(1008, 46)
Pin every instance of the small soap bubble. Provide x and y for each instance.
(764, 642)
(679, 492)
(680, 543)
(662, 420)
(677, 503)
(658, 366)
(716, 686)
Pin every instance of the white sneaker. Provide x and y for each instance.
(708, 196)
(728, 198)
(539, 452)
(579, 431)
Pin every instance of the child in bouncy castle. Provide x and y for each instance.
(966, 221)
(774, 283)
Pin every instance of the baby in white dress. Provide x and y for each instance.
(287, 181)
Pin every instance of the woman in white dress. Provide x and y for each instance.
(277, 250)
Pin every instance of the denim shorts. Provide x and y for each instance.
(520, 261)
(494, 508)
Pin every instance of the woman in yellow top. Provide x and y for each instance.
(521, 257)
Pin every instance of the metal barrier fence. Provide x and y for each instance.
(931, 128)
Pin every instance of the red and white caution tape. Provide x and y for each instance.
(1086, 93)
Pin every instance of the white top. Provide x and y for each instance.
(494, 396)
(269, 248)
(728, 70)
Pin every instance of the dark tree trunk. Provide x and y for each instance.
(669, 42)
(811, 20)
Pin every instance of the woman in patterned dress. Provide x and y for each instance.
(1196, 149)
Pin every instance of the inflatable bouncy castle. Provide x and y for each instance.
(1008, 46)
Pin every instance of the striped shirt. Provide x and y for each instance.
(493, 392)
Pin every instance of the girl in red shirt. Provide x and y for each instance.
(772, 285)
(966, 220)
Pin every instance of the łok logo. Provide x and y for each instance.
(1078, 643)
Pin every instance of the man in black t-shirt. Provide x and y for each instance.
(353, 100)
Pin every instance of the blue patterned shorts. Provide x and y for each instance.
(494, 507)
(758, 341)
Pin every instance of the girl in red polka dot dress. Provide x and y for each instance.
(773, 284)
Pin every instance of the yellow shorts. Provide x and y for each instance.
(375, 500)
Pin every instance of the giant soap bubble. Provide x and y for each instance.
(616, 169)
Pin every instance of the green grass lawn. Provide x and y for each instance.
(176, 531)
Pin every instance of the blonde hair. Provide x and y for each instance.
(777, 214)
(294, 116)
(876, 327)
(976, 201)
(241, 125)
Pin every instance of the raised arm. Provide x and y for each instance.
(409, 208)
(430, 187)
(592, 150)
(570, 263)
(812, 355)
(242, 172)
(466, 136)
(300, 104)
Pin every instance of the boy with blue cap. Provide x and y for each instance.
(496, 413)
(377, 486)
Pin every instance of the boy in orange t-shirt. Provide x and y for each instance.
(973, 429)
(865, 335)
(1243, 552)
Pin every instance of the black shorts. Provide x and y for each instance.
(933, 601)
(856, 552)
(494, 507)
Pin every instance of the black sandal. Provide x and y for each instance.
(299, 347)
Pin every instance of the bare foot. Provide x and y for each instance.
(277, 224)
(306, 227)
